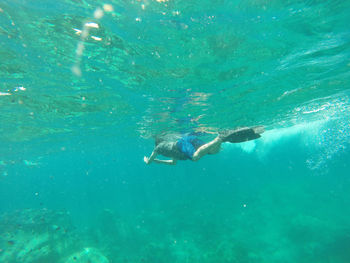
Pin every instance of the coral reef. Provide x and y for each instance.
(87, 255)
(172, 234)
(41, 236)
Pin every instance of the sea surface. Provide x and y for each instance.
(85, 86)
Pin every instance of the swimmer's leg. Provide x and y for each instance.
(242, 134)
(208, 148)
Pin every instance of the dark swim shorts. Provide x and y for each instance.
(188, 145)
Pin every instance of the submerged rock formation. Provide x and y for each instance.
(31, 235)
(87, 255)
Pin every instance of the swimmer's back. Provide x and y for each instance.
(170, 149)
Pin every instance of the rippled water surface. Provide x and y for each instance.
(86, 85)
(151, 66)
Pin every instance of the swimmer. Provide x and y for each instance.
(190, 147)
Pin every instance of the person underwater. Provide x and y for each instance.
(188, 146)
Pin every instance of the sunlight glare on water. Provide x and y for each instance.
(170, 64)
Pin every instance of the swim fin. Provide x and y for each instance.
(242, 134)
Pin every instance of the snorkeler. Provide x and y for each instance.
(190, 147)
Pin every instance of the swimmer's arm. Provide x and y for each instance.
(152, 158)
(169, 162)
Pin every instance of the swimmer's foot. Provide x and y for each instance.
(241, 134)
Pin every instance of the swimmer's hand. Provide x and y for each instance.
(146, 160)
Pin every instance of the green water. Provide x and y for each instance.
(85, 86)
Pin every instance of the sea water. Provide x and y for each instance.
(85, 86)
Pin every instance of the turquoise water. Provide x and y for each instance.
(86, 85)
